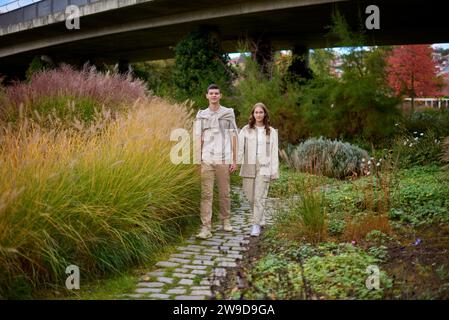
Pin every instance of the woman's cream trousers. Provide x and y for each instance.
(256, 191)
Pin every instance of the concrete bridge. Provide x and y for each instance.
(135, 30)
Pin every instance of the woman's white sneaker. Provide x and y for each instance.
(255, 232)
(227, 226)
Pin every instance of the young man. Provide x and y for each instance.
(216, 128)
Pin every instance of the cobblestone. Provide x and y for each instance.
(194, 268)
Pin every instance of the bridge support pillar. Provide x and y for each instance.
(299, 70)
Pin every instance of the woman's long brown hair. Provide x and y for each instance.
(266, 118)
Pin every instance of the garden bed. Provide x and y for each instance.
(412, 255)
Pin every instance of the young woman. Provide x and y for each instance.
(258, 154)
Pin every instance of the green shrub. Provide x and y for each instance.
(445, 155)
(418, 148)
(36, 65)
(380, 253)
(157, 76)
(434, 120)
(275, 277)
(423, 197)
(327, 157)
(378, 237)
(291, 182)
(199, 62)
(328, 271)
(343, 275)
(336, 226)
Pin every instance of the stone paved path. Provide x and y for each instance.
(192, 272)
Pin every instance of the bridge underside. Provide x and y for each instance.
(140, 33)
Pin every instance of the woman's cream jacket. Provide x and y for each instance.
(247, 153)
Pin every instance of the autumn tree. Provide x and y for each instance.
(412, 71)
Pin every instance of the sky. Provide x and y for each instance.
(343, 50)
(441, 45)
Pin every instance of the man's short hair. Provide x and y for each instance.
(212, 86)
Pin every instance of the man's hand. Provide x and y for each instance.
(232, 168)
(273, 178)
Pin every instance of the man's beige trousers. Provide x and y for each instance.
(256, 191)
(208, 174)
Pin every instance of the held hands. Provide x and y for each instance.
(273, 178)
(233, 168)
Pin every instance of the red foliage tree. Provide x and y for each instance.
(412, 71)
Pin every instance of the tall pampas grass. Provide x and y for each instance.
(103, 196)
(65, 92)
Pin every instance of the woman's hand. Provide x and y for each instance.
(273, 177)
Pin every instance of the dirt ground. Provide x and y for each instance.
(234, 285)
(419, 264)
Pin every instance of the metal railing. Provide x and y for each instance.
(15, 4)
(32, 9)
(430, 102)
